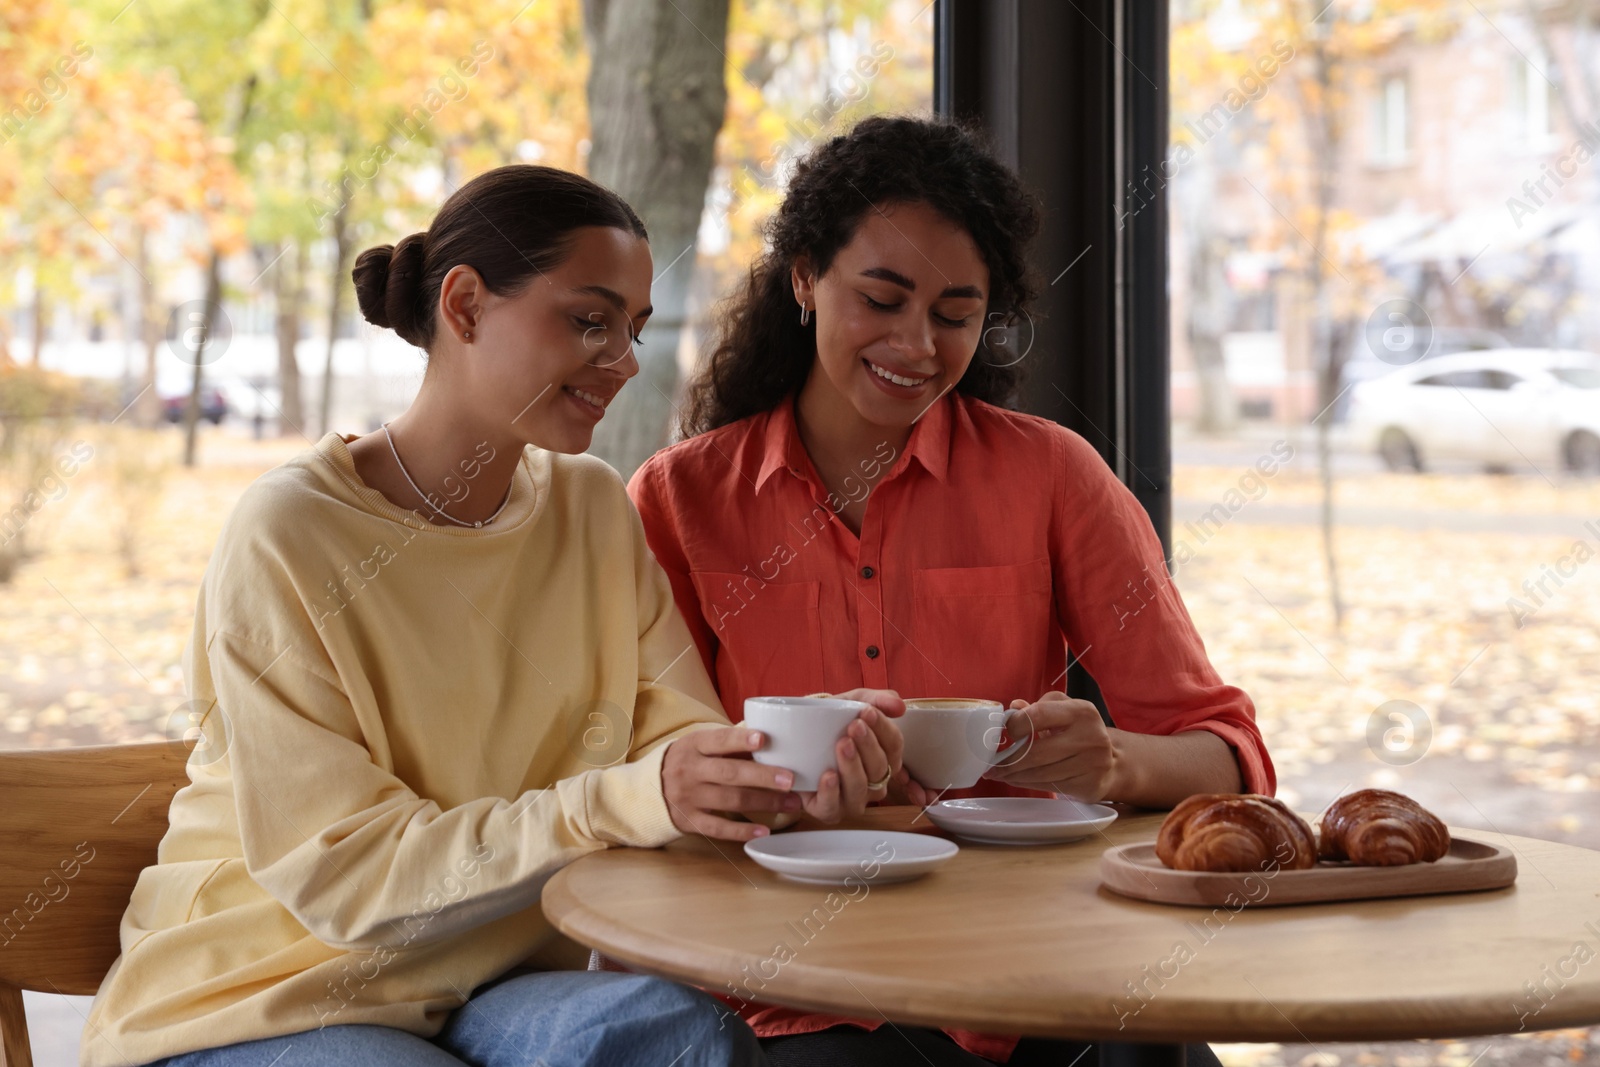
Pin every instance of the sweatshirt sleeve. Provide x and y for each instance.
(355, 855)
(1122, 614)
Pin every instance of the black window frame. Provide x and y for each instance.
(1075, 98)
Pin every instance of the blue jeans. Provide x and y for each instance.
(550, 1019)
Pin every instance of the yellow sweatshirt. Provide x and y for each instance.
(409, 728)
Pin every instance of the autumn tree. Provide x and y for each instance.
(206, 47)
(296, 128)
(1326, 52)
(800, 73)
(794, 73)
(137, 138)
(443, 92)
(1574, 77)
(42, 60)
(656, 101)
(304, 140)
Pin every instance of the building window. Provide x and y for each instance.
(1530, 99)
(1391, 135)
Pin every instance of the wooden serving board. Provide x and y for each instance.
(1134, 871)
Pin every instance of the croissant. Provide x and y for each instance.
(1234, 832)
(1377, 828)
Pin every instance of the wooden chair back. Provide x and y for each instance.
(77, 825)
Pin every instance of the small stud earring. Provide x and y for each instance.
(466, 335)
(805, 314)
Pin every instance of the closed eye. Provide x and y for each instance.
(591, 324)
(940, 319)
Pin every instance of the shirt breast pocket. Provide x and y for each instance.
(770, 635)
(985, 628)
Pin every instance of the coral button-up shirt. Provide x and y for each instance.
(992, 548)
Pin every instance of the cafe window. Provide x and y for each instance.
(1419, 480)
(1390, 124)
(1530, 100)
(1447, 497)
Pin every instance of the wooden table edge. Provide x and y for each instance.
(710, 968)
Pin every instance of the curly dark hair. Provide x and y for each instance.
(762, 354)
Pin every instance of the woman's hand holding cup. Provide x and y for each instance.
(709, 772)
(904, 789)
(844, 750)
(867, 758)
(1064, 745)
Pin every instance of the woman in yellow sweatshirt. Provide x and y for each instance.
(439, 663)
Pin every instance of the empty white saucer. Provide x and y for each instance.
(1021, 820)
(845, 857)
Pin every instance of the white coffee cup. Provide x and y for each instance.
(951, 741)
(801, 733)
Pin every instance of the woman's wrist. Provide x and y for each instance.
(1158, 771)
(1126, 778)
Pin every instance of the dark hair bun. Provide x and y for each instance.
(485, 225)
(388, 282)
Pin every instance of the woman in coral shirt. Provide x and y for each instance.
(855, 506)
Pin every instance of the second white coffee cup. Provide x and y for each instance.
(801, 733)
(950, 743)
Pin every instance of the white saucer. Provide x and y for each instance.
(1021, 820)
(848, 857)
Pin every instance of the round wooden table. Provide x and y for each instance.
(1025, 940)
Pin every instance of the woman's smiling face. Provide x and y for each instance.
(899, 313)
(547, 360)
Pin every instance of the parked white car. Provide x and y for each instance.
(1506, 407)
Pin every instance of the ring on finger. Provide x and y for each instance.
(881, 783)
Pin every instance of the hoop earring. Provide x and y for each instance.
(805, 314)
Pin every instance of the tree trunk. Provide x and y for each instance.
(1585, 18)
(656, 100)
(41, 320)
(1324, 138)
(1554, 72)
(289, 293)
(1208, 321)
(1338, 335)
(213, 312)
(1219, 411)
(191, 414)
(341, 253)
(147, 408)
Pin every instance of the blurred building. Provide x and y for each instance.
(1467, 181)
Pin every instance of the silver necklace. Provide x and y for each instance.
(429, 500)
